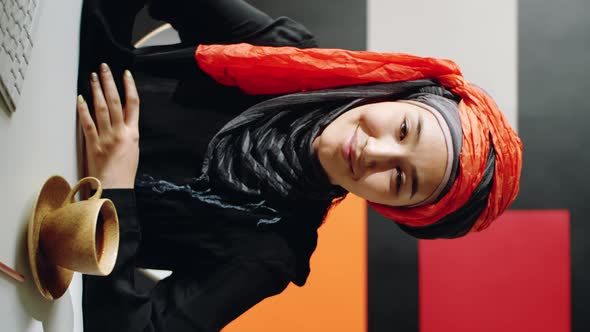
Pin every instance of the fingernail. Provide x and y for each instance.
(80, 99)
(94, 77)
(127, 73)
(104, 67)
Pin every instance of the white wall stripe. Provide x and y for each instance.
(479, 36)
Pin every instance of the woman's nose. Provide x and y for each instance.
(381, 153)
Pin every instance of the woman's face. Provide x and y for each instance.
(392, 153)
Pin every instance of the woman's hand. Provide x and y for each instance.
(112, 145)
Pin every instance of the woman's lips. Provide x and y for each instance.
(348, 150)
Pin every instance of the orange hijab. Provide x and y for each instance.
(279, 70)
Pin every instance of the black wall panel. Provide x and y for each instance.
(553, 121)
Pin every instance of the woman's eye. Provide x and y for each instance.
(403, 130)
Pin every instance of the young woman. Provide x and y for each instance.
(233, 180)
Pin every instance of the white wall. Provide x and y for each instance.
(37, 141)
(480, 36)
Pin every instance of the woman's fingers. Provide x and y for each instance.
(131, 100)
(101, 111)
(86, 121)
(111, 94)
(113, 149)
(107, 103)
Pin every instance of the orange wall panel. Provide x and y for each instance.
(335, 295)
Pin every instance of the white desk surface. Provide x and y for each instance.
(37, 141)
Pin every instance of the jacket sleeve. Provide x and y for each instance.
(180, 302)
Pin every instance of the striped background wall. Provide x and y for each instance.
(525, 274)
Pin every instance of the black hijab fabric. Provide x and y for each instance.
(262, 163)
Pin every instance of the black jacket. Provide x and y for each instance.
(221, 265)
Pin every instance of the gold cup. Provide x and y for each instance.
(82, 236)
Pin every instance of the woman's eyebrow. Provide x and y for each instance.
(414, 181)
(419, 129)
(414, 173)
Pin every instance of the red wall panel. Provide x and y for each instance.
(514, 276)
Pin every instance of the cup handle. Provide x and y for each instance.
(97, 194)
